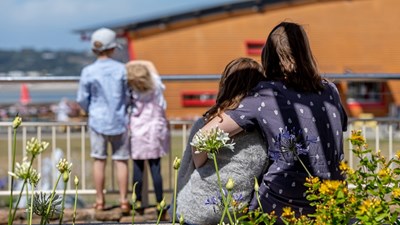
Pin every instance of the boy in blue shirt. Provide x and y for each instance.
(103, 95)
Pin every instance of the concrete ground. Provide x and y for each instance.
(112, 215)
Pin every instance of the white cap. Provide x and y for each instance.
(103, 39)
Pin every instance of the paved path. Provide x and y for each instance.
(90, 216)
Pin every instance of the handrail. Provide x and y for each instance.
(189, 77)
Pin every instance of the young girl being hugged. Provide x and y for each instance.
(150, 135)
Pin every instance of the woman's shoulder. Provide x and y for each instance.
(266, 89)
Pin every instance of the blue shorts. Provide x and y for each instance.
(119, 145)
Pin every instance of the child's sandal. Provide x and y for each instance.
(98, 206)
(125, 207)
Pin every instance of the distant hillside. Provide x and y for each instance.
(30, 62)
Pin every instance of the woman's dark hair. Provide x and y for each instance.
(287, 57)
(238, 78)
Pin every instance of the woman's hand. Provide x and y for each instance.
(227, 124)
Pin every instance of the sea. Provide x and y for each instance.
(39, 93)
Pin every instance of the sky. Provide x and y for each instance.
(49, 24)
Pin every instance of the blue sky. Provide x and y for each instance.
(48, 24)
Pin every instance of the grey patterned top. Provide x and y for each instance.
(197, 187)
(310, 123)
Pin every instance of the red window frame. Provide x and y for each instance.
(370, 104)
(254, 47)
(198, 98)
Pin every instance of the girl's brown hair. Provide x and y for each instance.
(287, 57)
(238, 78)
(139, 77)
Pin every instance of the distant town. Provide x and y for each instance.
(32, 63)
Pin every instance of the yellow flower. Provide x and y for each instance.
(364, 206)
(356, 138)
(398, 154)
(368, 204)
(287, 212)
(353, 199)
(384, 172)
(343, 166)
(396, 192)
(312, 180)
(329, 187)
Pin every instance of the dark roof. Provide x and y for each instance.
(170, 17)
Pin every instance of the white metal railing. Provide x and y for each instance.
(72, 136)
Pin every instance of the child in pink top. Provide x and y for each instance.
(150, 135)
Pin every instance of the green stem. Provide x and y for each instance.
(63, 203)
(133, 213)
(11, 219)
(18, 200)
(27, 197)
(304, 166)
(31, 205)
(229, 199)
(22, 189)
(258, 200)
(75, 202)
(223, 215)
(220, 188)
(46, 216)
(159, 216)
(175, 187)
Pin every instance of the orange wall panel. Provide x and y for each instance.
(358, 36)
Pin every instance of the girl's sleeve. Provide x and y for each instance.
(245, 115)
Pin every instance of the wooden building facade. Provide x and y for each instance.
(346, 36)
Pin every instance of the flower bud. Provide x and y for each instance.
(181, 220)
(134, 197)
(66, 176)
(177, 163)
(161, 205)
(230, 184)
(17, 122)
(256, 187)
(76, 181)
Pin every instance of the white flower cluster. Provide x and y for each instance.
(34, 147)
(24, 171)
(211, 141)
(64, 166)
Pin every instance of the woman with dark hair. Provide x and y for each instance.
(301, 119)
(197, 187)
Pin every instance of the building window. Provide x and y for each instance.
(198, 98)
(365, 93)
(254, 47)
